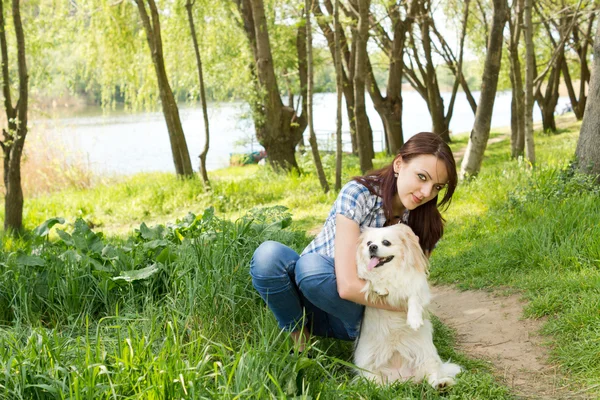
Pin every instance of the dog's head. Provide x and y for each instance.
(387, 255)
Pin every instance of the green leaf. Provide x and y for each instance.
(208, 214)
(179, 235)
(166, 255)
(109, 253)
(154, 244)
(138, 274)
(43, 386)
(70, 256)
(188, 222)
(44, 228)
(154, 233)
(30, 261)
(286, 222)
(65, 237)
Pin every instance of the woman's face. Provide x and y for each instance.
(420, 179)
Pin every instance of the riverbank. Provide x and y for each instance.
(106, 143)
(55, 186)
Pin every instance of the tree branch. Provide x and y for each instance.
(5, 77)
(557, 50)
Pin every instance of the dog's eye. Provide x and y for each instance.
(369, 243)
(386, 243)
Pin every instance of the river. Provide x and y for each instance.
(121, 142)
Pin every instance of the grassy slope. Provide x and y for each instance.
(536, 232)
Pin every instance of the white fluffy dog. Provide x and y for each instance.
(397, 345)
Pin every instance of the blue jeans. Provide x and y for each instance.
(293, 286)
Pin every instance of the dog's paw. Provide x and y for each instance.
(442, 383)
(382, 292)
(414, 319)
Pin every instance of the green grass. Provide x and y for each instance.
(536, 232)
(169, 311)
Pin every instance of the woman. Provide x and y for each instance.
(322, 282)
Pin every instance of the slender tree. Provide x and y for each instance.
(588, 146)
(14, 135)
(179, 149)
(548, 98)
(515, 23)
(188, 5)
(348, 53)
(420, 67)
(560, 23)
(312, 138)
(389, 105)
(529, 92)
(337, 57)
(365, 148)
(471, 163)
(581, 40)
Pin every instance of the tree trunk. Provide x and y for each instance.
(422, 75)
(588, 146)
(529, 71)
(516, 78)
(204, 152)
(348, 89)
(473, 158)
(14, 137)
(179, 149)
(365, 147)
(435, 102)
(438, 120)
(313, 139)
(337, 57)
(348, 59)
(389, 107)
(278, 128)
(549, 99)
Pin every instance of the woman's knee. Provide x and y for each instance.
(271, 259)
(315, 275)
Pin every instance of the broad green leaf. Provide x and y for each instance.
(65, 237)
(188, 222)
(208, 214)
(44, 228)
(109, 253)
(138, 274)
(30, 261)
(167, 254)
(154, 233)
(154, 244)
(70, 256)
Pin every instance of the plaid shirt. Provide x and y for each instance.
(355, 202)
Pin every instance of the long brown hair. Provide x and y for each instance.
(425, 221)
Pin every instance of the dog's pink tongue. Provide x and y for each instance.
(374, 261)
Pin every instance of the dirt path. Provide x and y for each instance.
(491, 328)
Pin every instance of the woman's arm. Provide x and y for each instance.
(349, 285)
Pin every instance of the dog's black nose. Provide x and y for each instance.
(372, 248)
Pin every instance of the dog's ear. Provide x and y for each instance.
(362, 238)
(415, 255)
